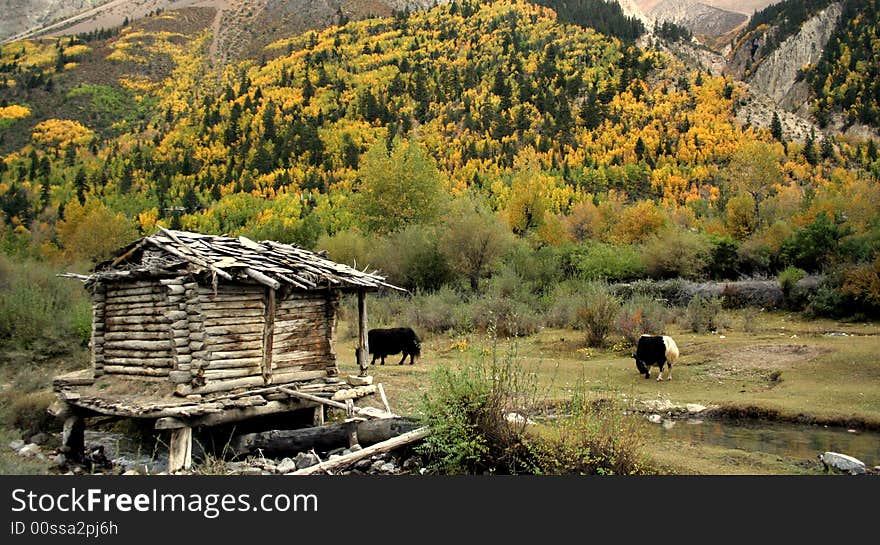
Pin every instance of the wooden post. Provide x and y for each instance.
(180, 450)
(268, 333)
(73, 437)
(352, 432)
(363, 344)
(318, 419)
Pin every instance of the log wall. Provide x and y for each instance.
(304, 332)
(232, 323)
(136, 330)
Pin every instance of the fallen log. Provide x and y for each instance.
(385, 446)
(284, 442)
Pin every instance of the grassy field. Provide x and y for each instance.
(770, 364)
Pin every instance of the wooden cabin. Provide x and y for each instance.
(193, 329)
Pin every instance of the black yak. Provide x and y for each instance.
(386, 342)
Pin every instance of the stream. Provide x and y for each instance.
(799, 441)
(127, 452)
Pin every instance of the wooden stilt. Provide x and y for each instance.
(363, 351)
(180, 451)
(73, 437)
(318, 419)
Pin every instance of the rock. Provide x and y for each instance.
(130, 472)
(305, 459)
(695, 408)
(355, 448)
(516, 418)
(30, 450)
(377, 466)
(388, 467)
(16, 444)
(659, 405)
(355, 380)
(286, 466)
(39, 438)
(363, 464)
(655, 419)
(668, 424)
(59, 460)
(411, 463)
(842, 462)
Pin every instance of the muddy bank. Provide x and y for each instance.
(752, 412)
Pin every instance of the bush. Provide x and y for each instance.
(28, 412)
(599, 261)
(676, 253)
(350, 248)
(562, 304)
(703, 314)
(466, 407)
(788, 280)
(439, 312)
(509, 307)
(597, 313)
(596, 439)
(641, 315)
(36, 304)
(412, 259)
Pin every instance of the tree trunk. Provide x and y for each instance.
(284, 442)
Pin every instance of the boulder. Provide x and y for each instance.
(655, 418)
(30, 450)
(286, 466)
(39, 438)
(16, 444)
(305, 459)
(695, 408)
(842, 463)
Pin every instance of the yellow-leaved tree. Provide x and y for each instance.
(93, 231)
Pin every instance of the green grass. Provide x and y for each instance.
(827, 378)
(774, 364)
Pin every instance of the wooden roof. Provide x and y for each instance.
(233, 259)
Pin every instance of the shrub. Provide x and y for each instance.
(641, 315)
(597, 313)
(703, 314)
(815, 246)
(28, 412)
(412, 259)
(562, 304)
(788, 280)
(466, 407)
(596, 439)
(676, 253)
(723, 259)
(349, 247)
(509, 307)
(599, 261)
(36, 304)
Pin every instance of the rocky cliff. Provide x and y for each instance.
(777, 74)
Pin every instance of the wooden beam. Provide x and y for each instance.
(268, 332)
(262, 278)
(363, 351)
(384, 399)
(385, 446)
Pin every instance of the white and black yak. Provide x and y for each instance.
(656, 350)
